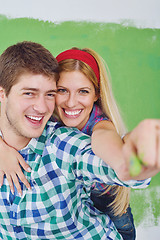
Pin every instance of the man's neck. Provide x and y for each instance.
(11, 137)
(17, 142)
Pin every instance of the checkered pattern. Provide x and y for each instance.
(59, 205)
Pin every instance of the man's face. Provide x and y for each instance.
(28, 106)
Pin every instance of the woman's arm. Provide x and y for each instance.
(143, 142)
(10, 161)
(107, 144)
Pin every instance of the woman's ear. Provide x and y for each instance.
(96, 97)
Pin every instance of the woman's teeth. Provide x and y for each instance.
(72, 113)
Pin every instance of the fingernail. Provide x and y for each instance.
(29, 169)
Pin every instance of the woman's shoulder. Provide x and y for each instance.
(96, 116)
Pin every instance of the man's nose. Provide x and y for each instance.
(40, 105)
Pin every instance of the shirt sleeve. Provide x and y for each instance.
(77, 160)
(93, 169)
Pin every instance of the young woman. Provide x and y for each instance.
(84, 100)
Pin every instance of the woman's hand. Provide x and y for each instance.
(144, 142)
(10, 162)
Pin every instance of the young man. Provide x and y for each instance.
(63, 165)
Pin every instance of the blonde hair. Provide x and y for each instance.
(108, 105)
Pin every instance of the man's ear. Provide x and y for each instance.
(2, 93)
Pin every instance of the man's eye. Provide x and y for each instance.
(51, 95)
(28, 93)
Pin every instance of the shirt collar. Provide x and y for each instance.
(37, 144)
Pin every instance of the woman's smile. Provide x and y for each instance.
(72, 113)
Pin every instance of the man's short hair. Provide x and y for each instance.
(26, 57)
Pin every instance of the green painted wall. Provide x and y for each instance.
(133, 56)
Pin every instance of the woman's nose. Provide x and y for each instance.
(71, 101)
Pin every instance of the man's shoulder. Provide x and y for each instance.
(61, 136)
(70, 137)
(67, 142)
(64, 132)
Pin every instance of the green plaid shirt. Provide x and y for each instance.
(59, 206)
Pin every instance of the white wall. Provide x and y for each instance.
(140, 13)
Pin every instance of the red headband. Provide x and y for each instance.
(82, 56)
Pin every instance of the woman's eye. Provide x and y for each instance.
(83, 91)
(61, 90)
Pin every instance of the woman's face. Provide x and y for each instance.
(75, 98)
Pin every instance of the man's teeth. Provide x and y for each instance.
(72, 113)
(35, 118)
